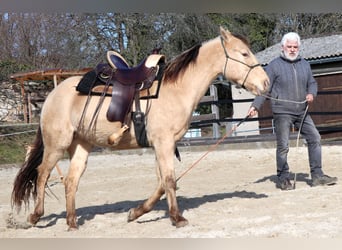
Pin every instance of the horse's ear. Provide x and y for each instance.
(224, 33)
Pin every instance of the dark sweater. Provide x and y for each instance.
(290, 80)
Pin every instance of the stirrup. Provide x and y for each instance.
(116, 136)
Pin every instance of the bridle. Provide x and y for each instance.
(236, 60)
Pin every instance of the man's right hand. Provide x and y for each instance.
(252, 111)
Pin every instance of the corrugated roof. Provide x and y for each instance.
(311, 49)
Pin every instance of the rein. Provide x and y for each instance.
(300, 127)
(213, 147)
(236, 60)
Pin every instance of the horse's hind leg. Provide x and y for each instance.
(78, 152)
(50, 159)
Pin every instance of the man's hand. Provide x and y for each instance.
(252, 112)
(309, 98)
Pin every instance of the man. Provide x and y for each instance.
(292, 89)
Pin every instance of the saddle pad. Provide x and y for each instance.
(87, 82)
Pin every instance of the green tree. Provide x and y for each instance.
(257, 28)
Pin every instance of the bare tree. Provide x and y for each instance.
(67, 40)
(307, 24)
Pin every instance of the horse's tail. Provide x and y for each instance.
(25, 181)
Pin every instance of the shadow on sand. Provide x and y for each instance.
(300, 177)
(185, 203)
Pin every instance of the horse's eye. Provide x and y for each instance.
(245, 54)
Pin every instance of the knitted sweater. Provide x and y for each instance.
(291, 81)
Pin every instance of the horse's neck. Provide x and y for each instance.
(208, 66)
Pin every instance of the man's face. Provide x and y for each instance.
(291, 49)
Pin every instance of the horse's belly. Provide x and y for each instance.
(99, 136)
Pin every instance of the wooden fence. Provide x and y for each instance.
(327, 121)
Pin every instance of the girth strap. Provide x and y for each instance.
(138, 118)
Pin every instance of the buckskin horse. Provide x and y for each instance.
(184, 82)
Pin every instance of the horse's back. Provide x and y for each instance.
(61, 100)
(67, 112)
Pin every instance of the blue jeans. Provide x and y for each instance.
(283, 123)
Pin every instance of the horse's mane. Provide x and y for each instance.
(180, 63)
(243, 39)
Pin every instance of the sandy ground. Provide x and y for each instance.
(229, 194)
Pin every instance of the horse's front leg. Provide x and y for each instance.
(167, 184)
(148, 205)
(165, 157)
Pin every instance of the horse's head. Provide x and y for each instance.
(241, 66)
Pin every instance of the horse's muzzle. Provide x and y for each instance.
(266, 85)
(263, 88)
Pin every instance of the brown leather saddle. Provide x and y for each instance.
(116, 79)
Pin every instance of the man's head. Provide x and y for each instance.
(290, 45)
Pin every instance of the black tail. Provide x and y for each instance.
(25, 181)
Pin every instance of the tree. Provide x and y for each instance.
(67, 40)
(307, 24)
(187, 30)
(257, 28)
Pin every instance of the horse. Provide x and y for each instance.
(184, 82)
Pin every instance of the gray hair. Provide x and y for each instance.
(292, 36)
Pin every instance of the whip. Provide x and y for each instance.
(300, 127)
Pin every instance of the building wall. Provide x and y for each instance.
(240, 111)
(329, 99)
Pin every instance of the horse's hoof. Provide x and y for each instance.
(72, 229)
(72, 223)
(131, 215)
(33, 219)
(181, 222)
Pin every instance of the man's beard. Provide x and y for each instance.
(291, 56)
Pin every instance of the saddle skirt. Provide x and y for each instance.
(116, 79)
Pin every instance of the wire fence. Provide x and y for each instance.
(16, 126)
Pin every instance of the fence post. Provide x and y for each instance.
(215, 111)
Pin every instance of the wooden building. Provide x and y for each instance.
(55, 75)
(325, 57)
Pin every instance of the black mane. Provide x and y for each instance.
(179, 64)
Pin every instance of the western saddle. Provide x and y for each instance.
(124, 84)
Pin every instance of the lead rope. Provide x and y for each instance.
(213, 147)
(296, 102)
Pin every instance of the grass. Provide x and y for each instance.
(13, 142)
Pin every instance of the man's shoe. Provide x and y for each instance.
(323, 180)
(284, 184)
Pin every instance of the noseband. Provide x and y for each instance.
(228, 57)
